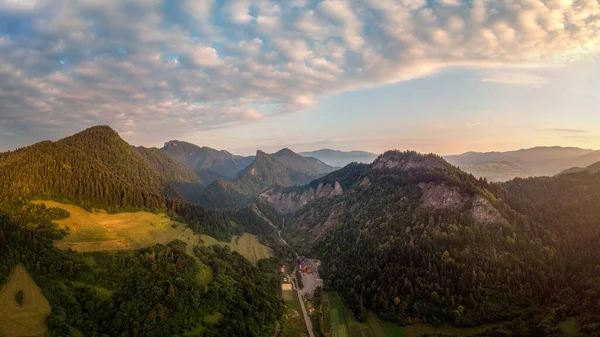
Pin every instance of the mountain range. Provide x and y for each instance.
(283, 168)
(341, 158)
(210, 164)
(408, 238)
(537, 161)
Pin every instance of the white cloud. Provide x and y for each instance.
(510, 77)
(206, 64)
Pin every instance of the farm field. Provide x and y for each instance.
(29, 318)
(292, 322)
(100, 231)
(340, 322)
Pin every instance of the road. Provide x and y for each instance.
(304, 313)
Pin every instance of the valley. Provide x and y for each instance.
(408, 245)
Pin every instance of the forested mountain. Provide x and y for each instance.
(310, 165)
(284, 168)
(96, 168)
(210, 164)
(592, 168)
(411, 236)
(155, 291)
(341, 158)
(537, 161)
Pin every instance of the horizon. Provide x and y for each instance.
(276, 149)
(445, 76)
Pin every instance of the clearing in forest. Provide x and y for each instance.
(29, 317)
(101, 231)
(247, 245)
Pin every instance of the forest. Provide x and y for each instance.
(391, 255)
(149, 292)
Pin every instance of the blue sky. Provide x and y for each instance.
(444, 76)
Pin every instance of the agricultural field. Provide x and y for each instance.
(27, 318)
(100, 231)
(339, 321)
(292, 322)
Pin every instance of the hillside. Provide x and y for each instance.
(210, 164)
(411, 236)
(97, 169)
(284, 168)
(592, 168)
(341, 158)
(537, 161)
(113, 249)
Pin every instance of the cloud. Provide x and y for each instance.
(179, 67)
(473, 124)
(568, 130)
(519, 78)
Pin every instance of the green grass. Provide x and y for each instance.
(100, 231)
(205, 275)
(570, 326)
(106, 293)
(292, 322)
(197, 331)
(213, 318)
(246, 244)
(29, 317)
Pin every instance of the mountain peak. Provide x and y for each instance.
(408, 160)
(285, 152)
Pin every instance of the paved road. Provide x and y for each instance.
(304, 313)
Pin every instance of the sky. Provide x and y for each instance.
(442, 76)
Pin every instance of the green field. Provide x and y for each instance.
(339, 321)
(570, 326)
(100, 231)
(28, 318)
(246, 244)
(292, 322)
(205, 274)
(213, 318)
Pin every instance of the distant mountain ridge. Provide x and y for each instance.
(210, 164)
(591, 168)
(537, 161)
(283, 168)
(341, 158)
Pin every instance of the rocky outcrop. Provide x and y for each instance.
(440, 196)
(289, 202)
(407, 162)
(484, 212)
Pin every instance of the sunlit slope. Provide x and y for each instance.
(27, 318)
(101, 231)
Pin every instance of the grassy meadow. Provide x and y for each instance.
(27, 318)
(100, 231)
(340, 322)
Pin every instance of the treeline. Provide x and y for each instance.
(149, 292)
